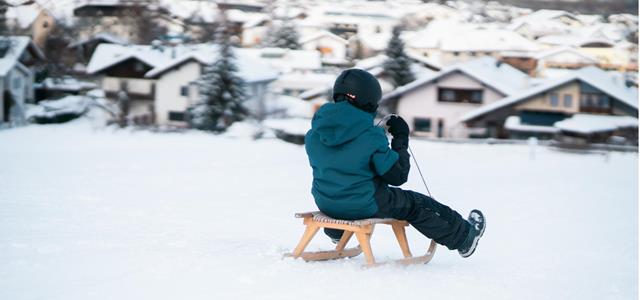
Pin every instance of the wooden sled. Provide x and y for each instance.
(363, 229)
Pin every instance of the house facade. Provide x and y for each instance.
(332, 48)
(176, 86)
(433, 105)
(534, 111)
(122, 68)
(18, 57)
(161, 82)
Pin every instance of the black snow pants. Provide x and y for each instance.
(433, 219)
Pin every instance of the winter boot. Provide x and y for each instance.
(478, 224)
(334, 234)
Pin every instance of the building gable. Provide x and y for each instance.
(128, 68)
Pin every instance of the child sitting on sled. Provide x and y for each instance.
(353, 168)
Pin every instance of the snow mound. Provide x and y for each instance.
(58, 111)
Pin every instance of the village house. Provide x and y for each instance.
(84, 47)
(545, 22)
(333, 49)
(176, 86)
(287, 60)
(433, 104)
(160, 80)
(122, 68)
(32, 20)
(534, 111)
(130, 20)
(447, 42)
(545, 63)
(18, 58)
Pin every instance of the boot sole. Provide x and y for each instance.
(474, 244)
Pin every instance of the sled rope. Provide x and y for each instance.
(419, 171)
(412, 155)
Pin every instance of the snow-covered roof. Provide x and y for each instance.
(250, 69)
(513, 123)
(320, 34)
(202, 11)
(572, 40)
(450, 35)
(588, 123)
(316, 92)
(23, 15)
(374, 41)
(163, 58)
(371, 62)
(104, 36)
(499, 76)
(235, 15)
(546, 14)
(540, 27)
(590, 19)
(306, 81)
(66, 84)
(18, 45)
(487, 40)
(559, 50)
(590, 75)
(427, 61)
(107, 55)
(287, 60)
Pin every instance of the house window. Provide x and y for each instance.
(176, 116)
(184, 91)
(595, 103)
(17, 83)
(456, 53)
(603, 101)
(568, 100)
(459, 95)
(422, 124)
(45, 24)
(138, 67)
(553, 99)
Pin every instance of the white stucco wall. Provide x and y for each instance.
(253, 36)
(19, 83)
(134, 85)
(168, 97)
(423, 103)
(338, 48)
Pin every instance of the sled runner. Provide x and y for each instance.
(363, 229)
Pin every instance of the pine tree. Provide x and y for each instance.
(221, 90)
(398, 64)
(282, 36)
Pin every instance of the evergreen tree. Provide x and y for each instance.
(398, 64)
(221, 90)
(282, 36)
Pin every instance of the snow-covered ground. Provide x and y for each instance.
(89, 213)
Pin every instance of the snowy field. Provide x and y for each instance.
(90, 213)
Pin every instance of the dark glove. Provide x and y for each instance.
(398, 127)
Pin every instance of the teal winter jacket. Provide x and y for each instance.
(346, 151)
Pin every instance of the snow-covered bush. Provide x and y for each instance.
(58, 111)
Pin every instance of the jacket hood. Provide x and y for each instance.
(338, 123)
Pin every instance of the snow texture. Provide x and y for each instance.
(586, 123)
(91, 213)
